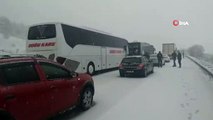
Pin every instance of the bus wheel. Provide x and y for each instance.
(91, 69)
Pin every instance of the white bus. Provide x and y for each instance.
(79, 49)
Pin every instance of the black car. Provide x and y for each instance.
(136, 65)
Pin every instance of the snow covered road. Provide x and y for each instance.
(168, 94)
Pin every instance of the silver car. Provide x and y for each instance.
(166, 58)
(154, 59)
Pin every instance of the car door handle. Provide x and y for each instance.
(52, 86)
(9, 97)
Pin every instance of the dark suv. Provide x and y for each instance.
(36, 88)
(136, 65)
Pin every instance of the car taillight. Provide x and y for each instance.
(120, 66)
(140, 66)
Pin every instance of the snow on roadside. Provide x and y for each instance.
(206, 65)
(171, 94)
(168, 94)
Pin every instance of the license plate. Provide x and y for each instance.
(129, 71)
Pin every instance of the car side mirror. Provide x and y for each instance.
(73, 74)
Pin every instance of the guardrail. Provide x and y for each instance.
(208, 67)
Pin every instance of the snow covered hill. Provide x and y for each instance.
(12, 45)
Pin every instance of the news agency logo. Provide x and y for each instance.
(180, 23)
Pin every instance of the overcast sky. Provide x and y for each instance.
(135, 20)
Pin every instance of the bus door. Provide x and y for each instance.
(103, 58)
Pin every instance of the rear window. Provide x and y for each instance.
(132, 60)
(165, 56)
(153, 56)
(42, 32)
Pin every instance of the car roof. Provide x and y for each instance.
(15, 59)
(8, 58)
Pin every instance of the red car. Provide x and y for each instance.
(36, 88)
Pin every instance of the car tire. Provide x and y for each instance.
(121, 74)
(5, 116)
(91, 69)
(144, 73)
(86, 99)
(152, 71)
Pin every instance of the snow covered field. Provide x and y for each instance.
(168, 94)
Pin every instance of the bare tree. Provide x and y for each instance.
(8, 28)
(5, 27)
(196, 50)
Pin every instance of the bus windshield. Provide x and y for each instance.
(42, 32)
